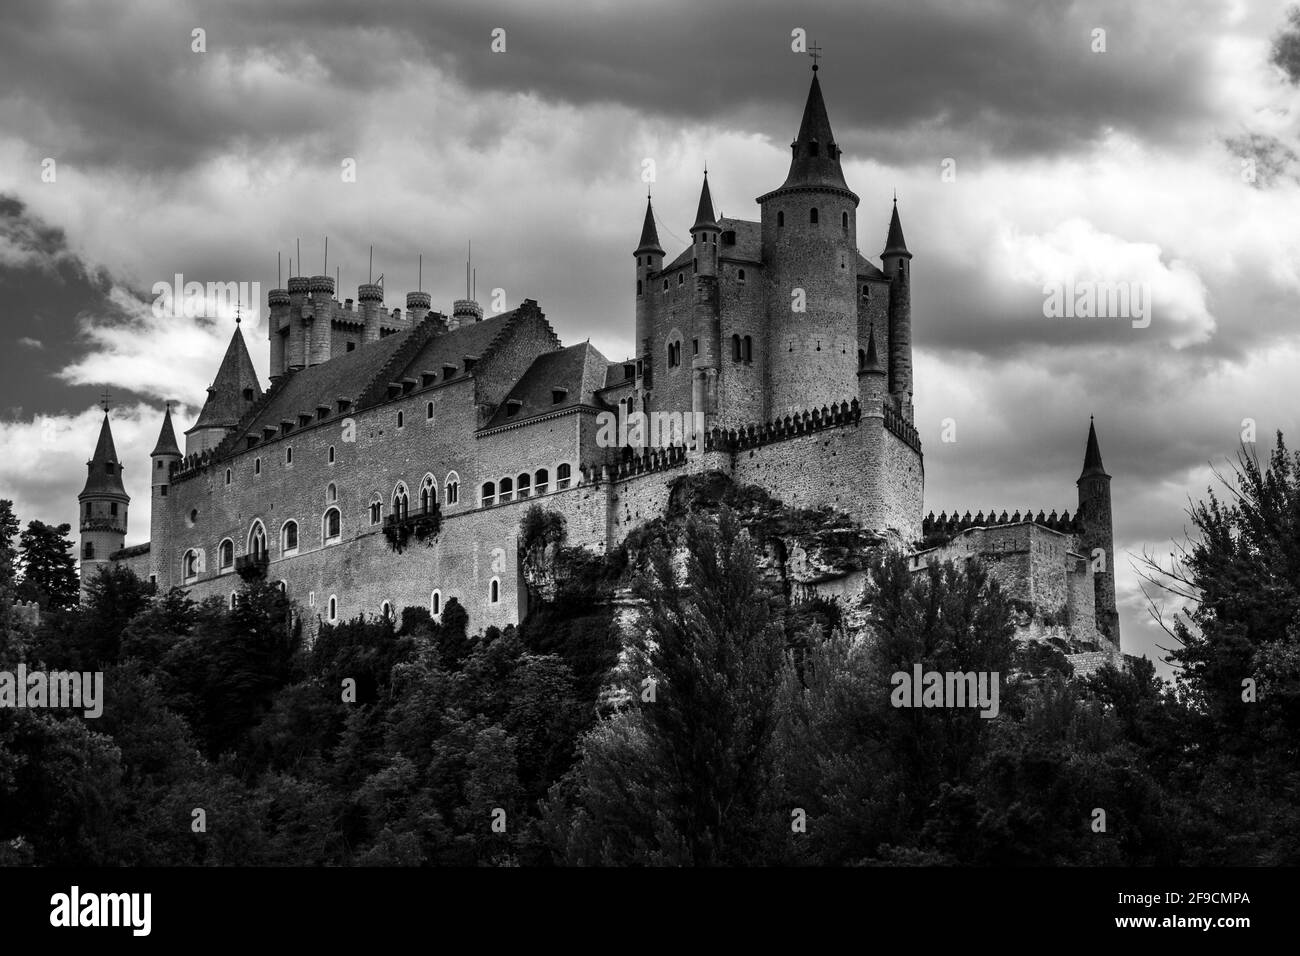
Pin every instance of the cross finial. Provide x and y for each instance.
(815, 52)
(104, 401)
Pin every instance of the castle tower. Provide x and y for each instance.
(277, 326)
(706, 324)
(230, 395)
(103, 504)
(649, 261)
(165, 454)
(1095, 513)
(898, 266)
(809, 225)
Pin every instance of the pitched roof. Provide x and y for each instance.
(1092, 456)
(226, 404)
(166, 437)
(579, 370)
(894, 242)
(704, 211)
(816, 157)
(649, 234)
(104, 471)
(867, 268)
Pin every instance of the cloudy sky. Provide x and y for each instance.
(1168, 158)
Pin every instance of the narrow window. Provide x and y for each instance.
(288, 456)
(227, 476)
(740, 275)
(812, 215)
(435, 603)
(332, 493)
(735, 348)
(844, 219)
(428, 411)
(638, 287)
(451, 494)
(780, 220)
(257, 466)
(400, 419)
(695, 346)
(333, 614)
(376, 509)
(330, 455)
(494, 592)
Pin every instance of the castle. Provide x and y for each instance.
(392, 456)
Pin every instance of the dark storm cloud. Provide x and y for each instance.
(111, 83)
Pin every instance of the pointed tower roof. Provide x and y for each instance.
(894, 242)
(816, 156)
(226, 402)
(104, 471)
(704, 217)
(873, 357)
(649, 234)
(1092, 457)
(166, 437)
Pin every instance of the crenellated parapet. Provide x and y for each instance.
(954, 523)
(782, 429)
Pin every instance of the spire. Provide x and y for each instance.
(895, 245)
(166, 437)
(234, 389)
(816, 157)
(649, 235)
(1092, 457)
(104, 471)
(704, 214)
(872, 363)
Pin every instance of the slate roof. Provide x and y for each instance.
(166, 437)
(580, 369)
(749, 244)
(226, 404)
(894, 242)
(816, 157)
(104, 471)
(1092, 456)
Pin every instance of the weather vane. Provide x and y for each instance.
(104, 401)
(815, 52)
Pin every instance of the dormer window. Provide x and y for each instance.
(512, 407)
(558, 395)
(108, 467)
(448, 371)
(248, 394)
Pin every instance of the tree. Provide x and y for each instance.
(48, 566)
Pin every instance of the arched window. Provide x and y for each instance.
(541, 480)
(665, 285)
(494, 591)
(330, 456)
(749, 349)
(638, 287)
(234, 600)
(488, 494)
(435, 603)
(376, 508)
(812, 215)
(191, 565)
(844, 219)
(862, 359)
(227, 476)
(866, 291)
(505, 490)
(681, 278)
(332, 612)
(401, 419)
(288, 455)
(386, 611)
(428, 411)
(451, 490)
(88, 550)
(780, 220)
(428, 496)
(331, 525)
(226, 555)
(735, 348)
(670, 354)
(257, 466)
(563, 472)
(524, 485)
(740, 275)
(283, 586)
(401, 501)
(331, 493)
(289, 538)
(257, 541)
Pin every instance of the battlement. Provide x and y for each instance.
(650, 460)
(954, 524)
(781, 429)
(26, 613)
(897, 425)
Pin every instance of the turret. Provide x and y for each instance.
(165, 455)
(278, 330)
(810, 253)
(103, 505)
(649, 262)
(320, 324)
(898, 266)
(230, 396)
(299, 287)
(370, 302)
(706, 322)
(1097, 540)
(417, 307)
(872, 378)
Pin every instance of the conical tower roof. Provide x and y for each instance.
(895, 244)
(104, 471)
(166, 437)
(1092, 457)
(704, 212)
(872, 363)
(816, 156)
(234, 389)
(649, 234)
